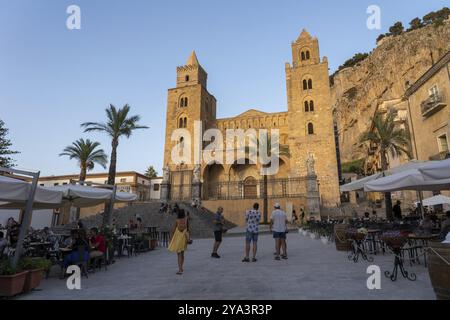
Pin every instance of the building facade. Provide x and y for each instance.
(307, 176)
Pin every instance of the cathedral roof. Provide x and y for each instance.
(192, 59)
(252, 113)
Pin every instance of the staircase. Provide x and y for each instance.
(201, 220)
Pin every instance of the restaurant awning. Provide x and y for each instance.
(15, 192)
(359, 184)
(436, 170)
(406, 180)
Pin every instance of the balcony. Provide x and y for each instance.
(441, 156)
(432, 105)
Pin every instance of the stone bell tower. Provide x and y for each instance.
(188, 103)
(310, 118)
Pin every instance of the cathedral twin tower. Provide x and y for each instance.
(306, 128)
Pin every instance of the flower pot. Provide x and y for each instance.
(438, 269)
(33, 279)
(12, 285)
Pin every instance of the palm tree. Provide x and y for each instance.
(283, 150)
(386, 138)
(87, 154)
(118, 124)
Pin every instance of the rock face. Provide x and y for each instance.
(395, 64)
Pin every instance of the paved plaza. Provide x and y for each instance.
(313, 271)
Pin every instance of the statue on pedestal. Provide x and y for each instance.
(166, 173)
(310, 165)
(196, 173)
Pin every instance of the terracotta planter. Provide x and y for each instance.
(439, 270)
(12, 285)
(33, 279)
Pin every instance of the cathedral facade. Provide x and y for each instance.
(307, 177)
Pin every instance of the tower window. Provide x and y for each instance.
(180, 123)
(311, 106)
(303, 56)
(306, 106)
(305, 85)
(310, 84)
(307, 55)
(310, 128)
(186, 78)
(183, 102)
(185, 123)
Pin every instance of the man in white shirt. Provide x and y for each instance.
(278, 225)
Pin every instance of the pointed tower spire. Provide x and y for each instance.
(192, 59)
(304, 35)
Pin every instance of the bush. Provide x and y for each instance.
(6, 269)
(28, 263)
(397, 29)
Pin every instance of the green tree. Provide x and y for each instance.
(283, 150)
(118, 124)
(87, 154)
(388, 139)
(151, 172)
(397, 29)
(5, 144)
(415, 23)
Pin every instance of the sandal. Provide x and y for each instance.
(254, 260)
(284, 257)
(246, 260)
(179, 272)
(277, 258)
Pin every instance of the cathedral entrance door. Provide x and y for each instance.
(250, 190)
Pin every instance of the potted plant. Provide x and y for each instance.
(12, 280)
(323, 236)
(36, 268)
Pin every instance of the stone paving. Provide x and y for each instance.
(313, 271)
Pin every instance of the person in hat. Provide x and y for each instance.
(278, 225)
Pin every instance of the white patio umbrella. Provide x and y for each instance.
(82, 196)
(359, 184)
(15, 193)
(125, 197)
(406, 180)
(436, 170)
(436, 200)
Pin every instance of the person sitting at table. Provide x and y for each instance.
(366, 216)
(3, 243)
(97, 243)
(77, 241)
(426, 224)
(374, 215)
(445, 226)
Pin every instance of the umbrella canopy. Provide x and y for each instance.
(436, 200)
(359, 184)
(406, 180)
(15, 193)
(436, 170)
(125, 197)
(84, 196)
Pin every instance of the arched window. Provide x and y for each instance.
(186, 78)
(309, 84)
(181, 143)
(183, 102)
(311, 106)
(186, 100)
(180, 123)
(310, 128)
(307, 55)
(185, 123)
(303, 55)
(305, 85)
(306, 106)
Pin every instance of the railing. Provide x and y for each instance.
(276, 188)
(431, 105)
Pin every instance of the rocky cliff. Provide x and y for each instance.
(384, 75)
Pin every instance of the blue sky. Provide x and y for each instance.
(52, 79)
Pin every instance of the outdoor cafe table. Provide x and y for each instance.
(372, 239)
(125, 243)
(396, 244)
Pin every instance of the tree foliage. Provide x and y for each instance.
(5, 144)
(151, 172)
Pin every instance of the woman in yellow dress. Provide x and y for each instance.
(179, 238)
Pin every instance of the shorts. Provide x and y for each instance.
(218, 236)
(279, 235)
(251, 236)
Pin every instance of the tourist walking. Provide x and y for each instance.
(219, 222)
(252, 218)
(302, 215)
(278, 225)
(179, 239)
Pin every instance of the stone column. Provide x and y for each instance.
(165, 185)
(197, 192)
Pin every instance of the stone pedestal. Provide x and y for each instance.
(312, 197)
(165, 191)
(197, 192)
